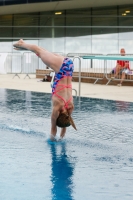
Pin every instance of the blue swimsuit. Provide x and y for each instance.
(66, 70)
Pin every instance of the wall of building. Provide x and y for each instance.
(92, 30)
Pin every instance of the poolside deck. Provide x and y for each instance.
(111, 92)
(91, 77)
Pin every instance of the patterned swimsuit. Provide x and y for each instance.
(66, 70)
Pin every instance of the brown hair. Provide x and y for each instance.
(65, 120)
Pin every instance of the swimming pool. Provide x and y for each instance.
(95, 162)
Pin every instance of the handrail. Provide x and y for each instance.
(75, 92)
(52, 80)
(79, 73)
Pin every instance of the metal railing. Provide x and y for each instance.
(79, 59)
(26, 63)
(23, 63)
(90, 68)
(30, 63)
(13, 63)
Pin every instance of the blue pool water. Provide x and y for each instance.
(93, 163)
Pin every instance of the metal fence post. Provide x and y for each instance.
(79, 73)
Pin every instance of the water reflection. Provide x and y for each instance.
(62, 173)
(123, 105)
(102, 105)
(25, 101)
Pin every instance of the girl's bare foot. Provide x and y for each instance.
(62, 135)
(52, 138)
(19, 43)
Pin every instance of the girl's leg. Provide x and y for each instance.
(23, 44)
(51, 60)
(63, 131)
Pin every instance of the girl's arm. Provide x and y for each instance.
(54, 116)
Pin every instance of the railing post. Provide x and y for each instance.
(79, 73)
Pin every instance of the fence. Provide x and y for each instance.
(30, 62)
(90, 68)
(23, 63)
(27, 63)
(13, 63)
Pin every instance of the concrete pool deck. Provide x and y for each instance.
(110, 92)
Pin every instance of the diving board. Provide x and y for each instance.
(129, 58)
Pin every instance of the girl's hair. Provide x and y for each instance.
(65, 120)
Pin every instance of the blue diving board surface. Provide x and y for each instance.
(129, 58)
